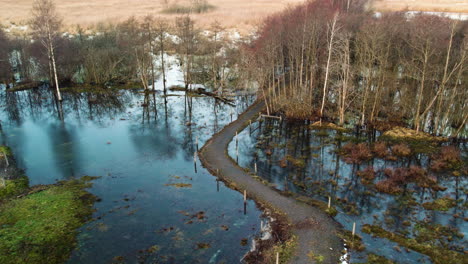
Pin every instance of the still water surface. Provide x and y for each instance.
(143, 155)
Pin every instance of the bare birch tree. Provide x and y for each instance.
(46, 24)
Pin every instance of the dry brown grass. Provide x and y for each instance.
(457, 6)
(239, 14)
(242, 15)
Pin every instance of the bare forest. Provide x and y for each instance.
(322, 60)
(332, 60)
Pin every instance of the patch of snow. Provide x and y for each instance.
(344, 259)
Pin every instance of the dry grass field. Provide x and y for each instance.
(239, 14)
(457, 6)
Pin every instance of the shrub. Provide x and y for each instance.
(401, 150)
(356, 153)
(387, 186)
(380, 149)
(367, 175)
(448, 158)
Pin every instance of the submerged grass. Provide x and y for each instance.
(438, 254)
(441, 204)
(41, 227)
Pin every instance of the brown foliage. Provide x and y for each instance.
(367, 175)
(356, 153)
(448, 158)
(401, 150)
(380, 149)
(387, 186)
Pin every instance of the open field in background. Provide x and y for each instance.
(458, 6)
(241, 15)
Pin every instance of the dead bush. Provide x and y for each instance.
(367, 175)
(448, 158)
(380, 149)
(356, 153)
(401, 150)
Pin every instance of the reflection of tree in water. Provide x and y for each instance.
(39, 103)
(12, 107)
(63, 149)
(307, 162)
(152, 135)
(100, 106)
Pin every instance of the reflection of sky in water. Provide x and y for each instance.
(137, 152)
(319, 177)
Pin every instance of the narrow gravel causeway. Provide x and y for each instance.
(318, 236)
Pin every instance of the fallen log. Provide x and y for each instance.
(215, 96)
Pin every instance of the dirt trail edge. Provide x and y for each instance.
(316, 231)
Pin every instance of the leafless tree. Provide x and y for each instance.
(46, 24)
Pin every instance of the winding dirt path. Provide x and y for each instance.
(316, 231)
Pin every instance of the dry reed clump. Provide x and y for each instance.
(380, 149)
(356, 153)
(367, 175)
(388, 186)
(296, 108)
(449, 157)
(401, 150)
(398, 177)
(196, 7)
(326, 125)
(406, 133)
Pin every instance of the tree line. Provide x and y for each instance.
(133, 51)
(333, 60)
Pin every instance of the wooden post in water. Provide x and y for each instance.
(231, 114)
(195, 161)
(255, 168)
(196, 142)
(217, 180)
(237, 141)
(354, 228)
(329, 202)
(245, 202)
(250, 126)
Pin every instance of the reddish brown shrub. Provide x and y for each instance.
(356, 153)
(367, 175)
(380, 149)
(398, 175)
(416, 174)
(387, 186)
(448, 158)
(283, 162)
(401, 150)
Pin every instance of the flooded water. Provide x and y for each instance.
(155, 203)
(295, 158)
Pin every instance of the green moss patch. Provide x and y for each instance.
(14, 187)
(5, 150)
(376, 259)
(286, 251)
(438, 254)
(352, 242)
(441, 204)
(41, 227)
